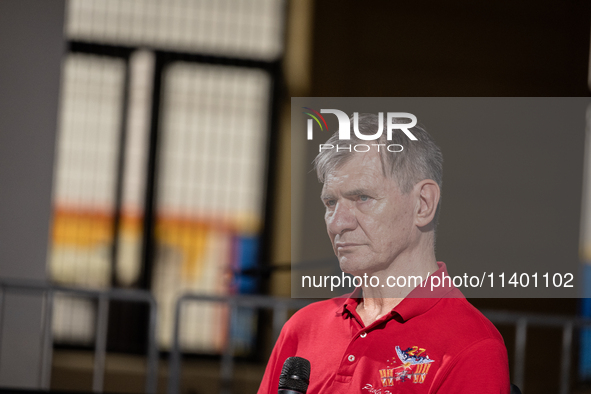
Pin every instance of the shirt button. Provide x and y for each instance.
(351, 358)
(363, 335)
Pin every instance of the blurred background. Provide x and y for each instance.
(145, 147)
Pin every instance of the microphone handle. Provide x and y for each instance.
(288, 391)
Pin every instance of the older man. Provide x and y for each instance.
(381, 215)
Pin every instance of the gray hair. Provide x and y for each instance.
(419, 160)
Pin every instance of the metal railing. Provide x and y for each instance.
(48, 291)
(524, 320)
(279, 306)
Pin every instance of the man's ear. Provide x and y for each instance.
(428, 194)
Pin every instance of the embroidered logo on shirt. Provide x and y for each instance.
(414, 366)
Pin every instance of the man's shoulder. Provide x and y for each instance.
(466, 321)
(471, 343)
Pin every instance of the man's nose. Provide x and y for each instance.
(342, 219)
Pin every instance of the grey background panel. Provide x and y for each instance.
(31, 49)
(512, 184)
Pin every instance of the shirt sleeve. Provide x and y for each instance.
(482, 368)
(283, 349)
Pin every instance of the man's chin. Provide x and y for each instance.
(352, 267)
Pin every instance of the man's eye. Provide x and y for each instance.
(364, 198)
(330, 203)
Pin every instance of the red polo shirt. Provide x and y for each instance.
(424, 345)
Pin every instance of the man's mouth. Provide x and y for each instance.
(345, 245)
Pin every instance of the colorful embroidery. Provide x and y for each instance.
(415, 365)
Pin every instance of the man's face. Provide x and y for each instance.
(368, 219)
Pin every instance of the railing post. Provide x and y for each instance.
(520, 341)
(279, 318)
(174, 367)
(227, 367)
(47, 342)
(567, 340)
(100, 347)
(152, 362)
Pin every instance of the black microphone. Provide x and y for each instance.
(295, 376)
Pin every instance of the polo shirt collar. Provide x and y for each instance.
(417, 302)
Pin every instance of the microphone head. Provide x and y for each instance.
(295, 375)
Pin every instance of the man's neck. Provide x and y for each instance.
(395, 283)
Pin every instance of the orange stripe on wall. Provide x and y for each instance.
(89, 228)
